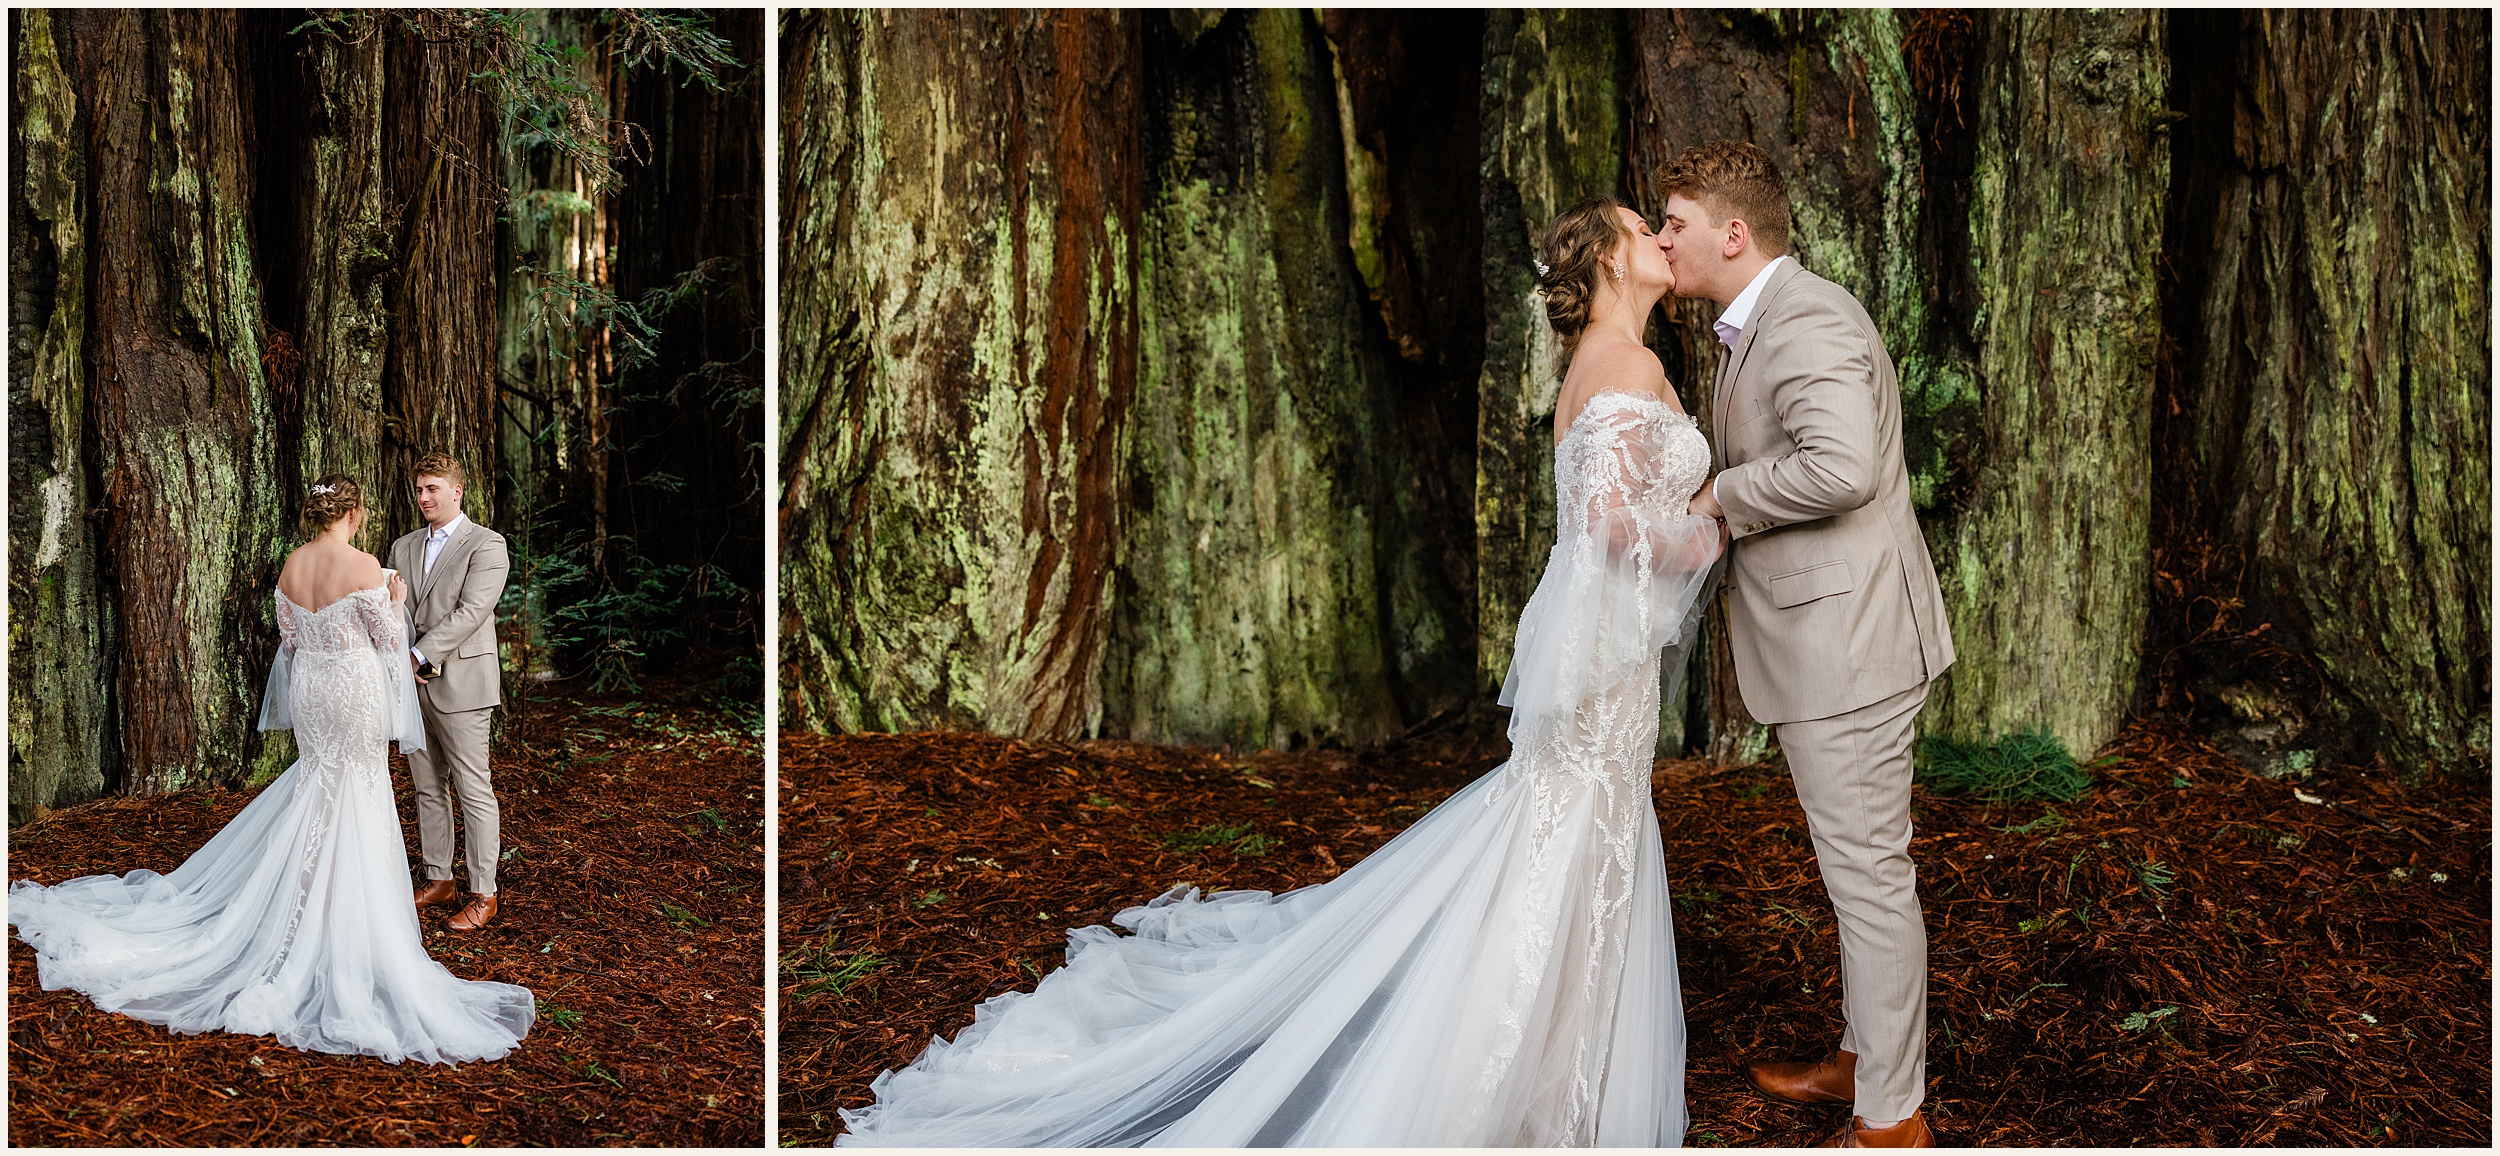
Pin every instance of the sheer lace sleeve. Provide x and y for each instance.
(388, 629)
(275, 712)
(1630, 560)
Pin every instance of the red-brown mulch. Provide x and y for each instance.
(633, 900)
(2190, 954)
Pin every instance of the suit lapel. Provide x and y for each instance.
(442, 561)
(1732, 364)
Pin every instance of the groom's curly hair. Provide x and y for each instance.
(1733, 178)
(440, 465)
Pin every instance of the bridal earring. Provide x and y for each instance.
(1618, 270)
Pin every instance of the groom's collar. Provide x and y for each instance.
(1740, 311)
(451, 529)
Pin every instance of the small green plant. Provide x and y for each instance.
(824, 969)
(2029, 764)
(1242, 838)
(591, 1068)
(2040, 924)
(559, 1017)
(684, 919)
(1800, 918)
(707, 817)
(929, 900)
(2138, 1021)
(2155, 877)
(2048, 821)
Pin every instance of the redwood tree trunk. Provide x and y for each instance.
(1250, 603)
(2332, 307)
(180, 403)
(2047, 568)
(439, 166)
(61, 748)
(960, 331)
(341, 253)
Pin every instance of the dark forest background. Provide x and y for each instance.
(1177, 375)
(248, 248)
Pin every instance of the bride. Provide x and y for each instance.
(296, 920)
(1500, 974)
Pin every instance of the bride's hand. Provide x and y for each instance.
(398, 589)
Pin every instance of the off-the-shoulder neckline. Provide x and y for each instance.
(1627, 395)
(384, 588)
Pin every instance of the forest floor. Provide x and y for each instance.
(632, 877)
(2188, 954)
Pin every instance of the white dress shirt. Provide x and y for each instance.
(1731, 324)
(435, 539)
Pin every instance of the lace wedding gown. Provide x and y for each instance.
(297, 920)
(1500, 974)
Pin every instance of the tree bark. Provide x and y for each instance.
(1251, 607)
(1407, 87)
(60, 700)
(2046, 568)
(439, 136)
(342, 267)
(951, 511)
(179, 396)
(2333, 238)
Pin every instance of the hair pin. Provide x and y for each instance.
(325, 488)
(1541, 267)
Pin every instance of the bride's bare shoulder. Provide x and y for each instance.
(1610, 367)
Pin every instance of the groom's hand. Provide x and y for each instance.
(1706, 503)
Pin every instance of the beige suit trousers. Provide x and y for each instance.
(452, 768)
(1853, 776)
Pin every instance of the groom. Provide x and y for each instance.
(1833, 611)
(454, 569)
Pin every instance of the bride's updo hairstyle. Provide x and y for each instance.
(332, 498)
(1571, 255)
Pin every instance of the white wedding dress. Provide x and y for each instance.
(1500, 974)
(297, 920)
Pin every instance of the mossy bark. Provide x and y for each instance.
(61, 718)
(960, 332)
(2333, 243)
(1992, 186)
(1250, 606)
(179, 397)
(2046, 567)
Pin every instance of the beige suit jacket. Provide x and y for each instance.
(451, 613)
(1832, 599)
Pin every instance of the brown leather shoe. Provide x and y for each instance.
(1910, 1133)
(1833, 1081)
(480, 910)
(436, 891)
